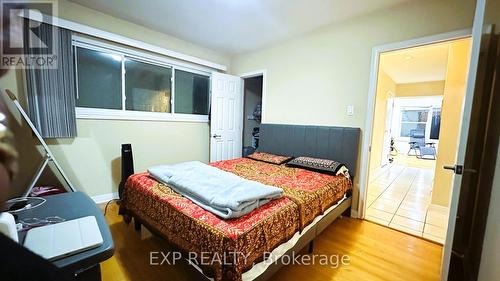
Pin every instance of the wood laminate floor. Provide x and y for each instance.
(375, 253)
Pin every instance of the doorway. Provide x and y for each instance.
(254, 87)
(416, 122)
(252, 113)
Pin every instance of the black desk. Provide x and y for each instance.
(73, 205)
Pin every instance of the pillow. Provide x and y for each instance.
(269, 158)
(319, 165)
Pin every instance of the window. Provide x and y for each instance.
(422, 113)
(98, 79)
(191, 93)
(147, 87)
(115, 83)
(413, 119)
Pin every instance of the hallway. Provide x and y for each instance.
(399, 196)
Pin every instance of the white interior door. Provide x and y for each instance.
(226, 119)
(477, 32)
(386, 149)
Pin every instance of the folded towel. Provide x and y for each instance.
(222, 193)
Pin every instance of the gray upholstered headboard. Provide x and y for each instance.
(336, 143)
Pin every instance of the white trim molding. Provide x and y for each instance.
(354, 214)
(263, 73)
(103, 198)
(116, 114)
(85, 29)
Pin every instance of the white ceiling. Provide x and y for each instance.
(235, 26)
(420, 64)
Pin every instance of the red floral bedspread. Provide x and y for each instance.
(313, 192)
(193, 229)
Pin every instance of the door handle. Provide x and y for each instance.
(215, 136)
(457, 169)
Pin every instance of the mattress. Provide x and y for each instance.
(240, 242)
(313, 192)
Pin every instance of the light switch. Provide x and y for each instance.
(350, 110)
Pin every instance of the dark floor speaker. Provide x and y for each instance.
(127, 166)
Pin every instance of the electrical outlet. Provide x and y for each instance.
(350, 110)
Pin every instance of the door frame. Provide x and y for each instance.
(255, 73)
(372, 92)
(391, 97)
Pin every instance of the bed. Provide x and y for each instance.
(312, 201)
(312, 192)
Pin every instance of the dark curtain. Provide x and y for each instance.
(435, 123)
(51, 91)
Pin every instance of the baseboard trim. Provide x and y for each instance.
(98, 199)
(354, 214)
(438, 207)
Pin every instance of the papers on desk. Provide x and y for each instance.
(64, 239)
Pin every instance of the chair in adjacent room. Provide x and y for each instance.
(422, 149)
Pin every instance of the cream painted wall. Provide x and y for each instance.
(454, 92)
(322, 72)
(312, 78)
(492, 13)
(92, 159)
(94, 156)
(429, 88)
(385, 88)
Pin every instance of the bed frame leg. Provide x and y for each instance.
(137, 224)
(310, 247)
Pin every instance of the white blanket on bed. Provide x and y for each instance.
(217, 191)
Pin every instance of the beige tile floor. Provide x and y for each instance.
(399, 197)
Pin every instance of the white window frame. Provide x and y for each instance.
(408, 103)
(137, 55)
(427, 123)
